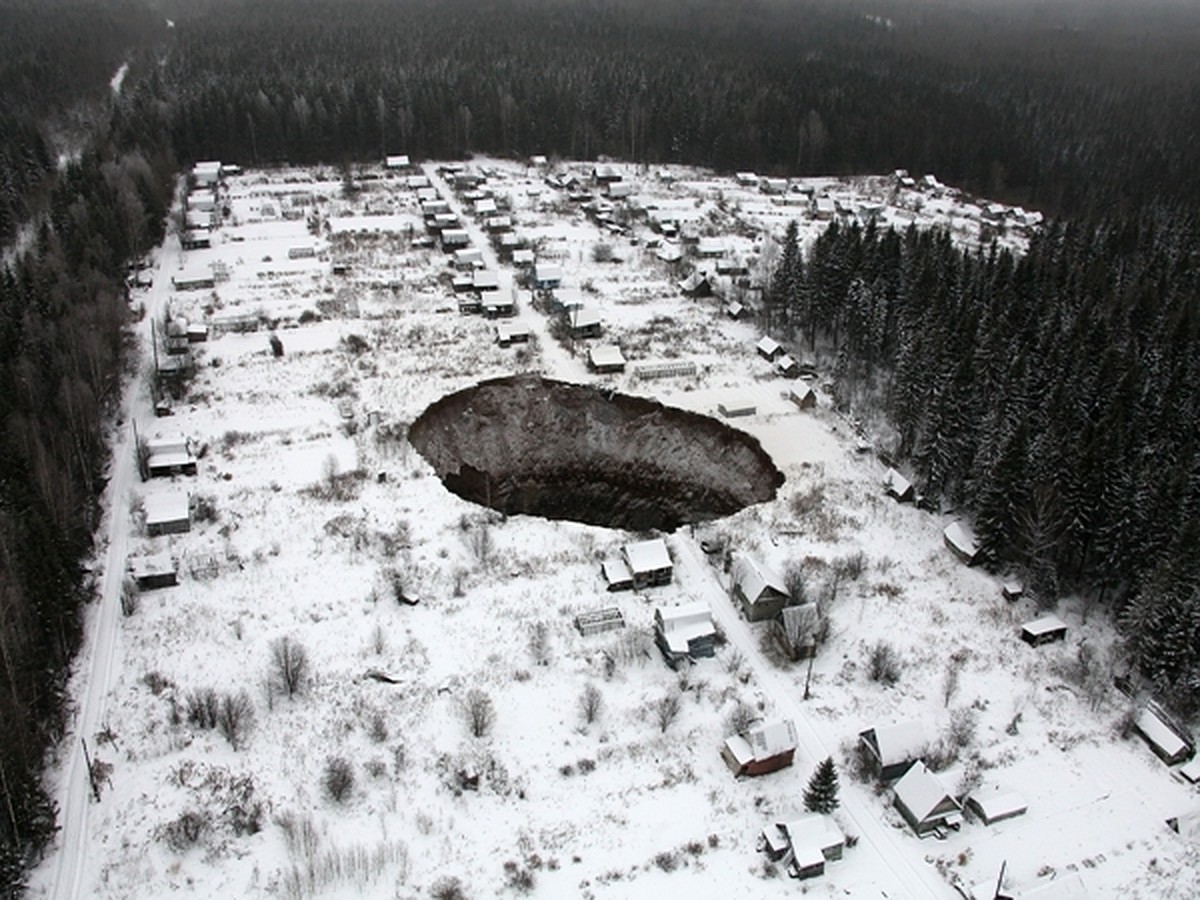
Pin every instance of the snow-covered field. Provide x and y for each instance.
(317, 509)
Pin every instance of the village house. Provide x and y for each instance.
(1166, 738)
(960, 540)
(584, 323)
(891, 749)
(509, 333)
(1045, 630)
(804, 845)
(499, 305)
(710, 248)
(193, 280)
(454, 238)
(649, 563)
(737, 406)
(735, 310)
(746, 179)
(606, 359)
(684, 633)
(796, 629)
(396, 163)
(648, 370)
(774, 186)
(169, 455)
(167, 513)
(787, 367)
(803, 395)
(152, 572)
(763, 748)
(206, 174)
(696, 285)
(897, 486)
(769, 349)
(547, 276)
(605, 174)
(925, 803)
(758, 589)
(522, 259)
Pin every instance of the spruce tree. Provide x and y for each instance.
(821, 795)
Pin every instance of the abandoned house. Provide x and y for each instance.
(758, 589)
(796, 630)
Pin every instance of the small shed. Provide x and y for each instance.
(598, 621)
(197, 332)
(157, 571)
(584, 322)
(498, 306)
(397, 161)
(892, 749)
(508, 333)
(897, 486)
(606, 359)
(735, 310)
(992, 805)
(547, 276)
(1191, 771)
(764, 748)
(795, 631)
(649, 563)
(803, 395)
(167, 513)
(619, 190)
(961, 541)
(1012, 590)
(758, 589)
(522, 259)
(684, 633)
(669, 252)
(737, 406)
(769, 348)
(1045, 630)
(1167, 739)
(925, 802)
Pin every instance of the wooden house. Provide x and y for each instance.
(710, 248)
(605, 174)
(735, 310)
(960, 540)
(568, 299)
(547, 276)
(522, 259)
(206, 173)
(892, 749)
(485, 280)
(649, 563)
(498, 305)
(619, 190)
(193, 280)
(787, 367)
(598, 621)
(669, 252)
(509, 333)
(1164, 736)
(795, 631)
(197, 332)
(454, 238)
(804, 845)
(769, 349)
(606, 359)
(176, 337)
(1045, 630)
(696, 285)
(169, 455)
(196, 239)
(758, 589)
(167, 513)
(774, 186)
(762, 749)
(898, 487)
(1012, 590)
(152, 572)
(584, 323)
(992, 805)
(925, 803)
(468, 259)
(684, 633)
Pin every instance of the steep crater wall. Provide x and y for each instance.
(524, 444)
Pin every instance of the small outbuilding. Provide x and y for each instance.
(758, 589)
(584, 323)
(961, 541)
(509, 333)
(547, 276)
(152, 572)
(992, 805)
(685, 633)
(802, 394)
(787, 367)
(598, 621)
(1045, 630)
(898, 487)
(735, 310)
(616, 575)
(167, 513)
(764, 748)
(1165, 737)
(926, 804)
(795, 631)
(892, 749)
(169, 455)
(734, 407)
(769, 349)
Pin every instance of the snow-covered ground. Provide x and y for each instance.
(615, 808)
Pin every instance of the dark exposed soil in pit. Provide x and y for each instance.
(524, 444)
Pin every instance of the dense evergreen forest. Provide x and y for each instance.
(1053, 397)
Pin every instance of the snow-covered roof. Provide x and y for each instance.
(739, 748)
(800, 390)
(669, 252)
(585, 317)
(569, 298)
(684, 623)
(616, 572)
(769, 346)
(920, 791)
(149, 566)
(606, 355)
(800, 622)
(1191, 770)
(1061, 887)
(544, 271)
(995, 804)
(485, 206)
(486, 280)
(168, 506)
(710, 246)
(785, 363)
(398, 161)
(901, 742)
(895, 483)
(813, 830)
(1044, 625)
(507, 331)
(772, 738)
(961, 536)
(1159, 732)
(522, 257)
(754, 577)
(1188, 826)
(651, 556)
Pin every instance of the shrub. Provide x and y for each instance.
(448, 887)
(203, 707)
(235, 718)
(479, 712)
(185, 832)
(668, 860)
(740, 718)
(883, 664)
(289, 666)
(338, 779)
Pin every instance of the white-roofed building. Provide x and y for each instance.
(167, 513)
(684, 633)
(961, 541)
(606, 359)
(758, 589)
(649, 562)
(994, 805)
(925, 802)
(892, 749)
(763, 748)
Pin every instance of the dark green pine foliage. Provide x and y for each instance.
(785, 298)
(821, 795)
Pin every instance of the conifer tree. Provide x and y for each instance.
(821, 795)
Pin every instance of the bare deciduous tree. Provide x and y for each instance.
(591, 703)
(479, 712)
(539, 643)
(666, 710)
(289, 666)
(235, 718)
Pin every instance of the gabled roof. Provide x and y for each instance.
(921, 791)
(813, 830)
(901, 742)
(650, 556)
(962, 538)
(584, 317)
(772, 738)
(1159, 733)
(1044, 625)
(545, 271)
(767, 345)
(895, 483)
(606, 355)
(995, 804)
(754, 578)
(802, 621)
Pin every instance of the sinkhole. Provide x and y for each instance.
(525, 444)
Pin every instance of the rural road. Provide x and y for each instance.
(62, 875)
